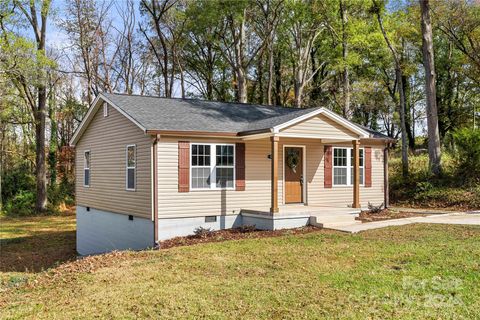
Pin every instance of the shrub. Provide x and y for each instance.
(202, 232)
(16, 179)
(375, 209)
(467, 145)
(423, 186)
(22, 204)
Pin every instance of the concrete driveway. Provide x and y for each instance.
(451, 218)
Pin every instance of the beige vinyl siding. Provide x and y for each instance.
(343, 195)
(322, 126)
(212, 202)
(107, 138)
(257, 178)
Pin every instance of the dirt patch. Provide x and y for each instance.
(231, 234)
(386, 214)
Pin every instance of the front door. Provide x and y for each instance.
(293, 158)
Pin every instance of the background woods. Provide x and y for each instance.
(406, 68)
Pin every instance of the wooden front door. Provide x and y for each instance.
(293, 158)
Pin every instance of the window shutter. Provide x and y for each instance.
(368, 166)
(240, 166)
(183, 166)
(327, 166)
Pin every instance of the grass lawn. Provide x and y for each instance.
(33, 244)
(414, 271)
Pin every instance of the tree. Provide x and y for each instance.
(303, 26)
(32, 87)
(400, 88)
(88, 25)
(434, 151)
(161, 43)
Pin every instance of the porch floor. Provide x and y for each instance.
(320, 216)
(302, 210)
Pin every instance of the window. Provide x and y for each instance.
(131, 167)
(200, 166)
(225, 166)
(105, 109)
(212, 166)
(343, 166)
(86, 169)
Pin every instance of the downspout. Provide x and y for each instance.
(386, 198)
(155, 190)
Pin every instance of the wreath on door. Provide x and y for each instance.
(293, 159)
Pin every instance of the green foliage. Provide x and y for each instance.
(16, 179)
(22, 204)
(423, 190)
(467, 145)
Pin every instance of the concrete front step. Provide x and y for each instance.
(324, 221)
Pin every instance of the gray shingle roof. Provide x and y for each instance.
(155, 113)
(172, 114)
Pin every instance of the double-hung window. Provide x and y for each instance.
(212, 166)
(343, 164)
(86, 169)
(130, 174)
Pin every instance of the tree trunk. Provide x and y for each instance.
(53, 147)
(409, 121)
(398, 75)
(278, 78)
(1, 164)
(241, 86)
(270, 74)
(41, 176)
(403, 125)
(434, 151)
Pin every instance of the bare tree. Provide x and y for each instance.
(434, 151)
(89, 27)
(157, 11)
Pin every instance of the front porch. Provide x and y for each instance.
(296, 182)
(295, 216)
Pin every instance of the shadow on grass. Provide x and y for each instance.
(38, 252)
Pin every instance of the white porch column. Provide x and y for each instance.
(274, 176)
(356, 174)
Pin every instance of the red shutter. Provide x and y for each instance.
(240, 166)
(368, 166)
(183, 166)
(327, 166)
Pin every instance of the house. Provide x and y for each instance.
(151, 168)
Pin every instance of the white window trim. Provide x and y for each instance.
(349, 166)
(85, 168)
(134, 168)
(213, 166)
(105, 109)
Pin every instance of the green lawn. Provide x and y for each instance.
(412, 272)
(32, 244)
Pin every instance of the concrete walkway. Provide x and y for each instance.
(450, 218)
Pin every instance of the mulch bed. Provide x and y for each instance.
(386, 214)
(232, 234)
